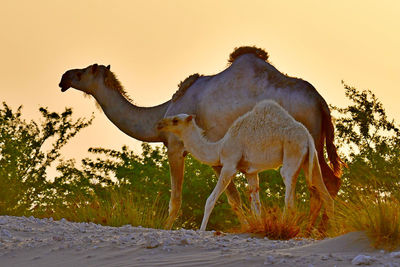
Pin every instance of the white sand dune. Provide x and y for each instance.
(43, 242)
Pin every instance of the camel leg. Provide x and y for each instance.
(233, 198)
(254, 188)
(315, 200)
(289, 178)
(318, 194)
(176, 165)
(224, 179)
(332, 182)
(323, 226)
(315, 207)
(324, 194)
(291, 166)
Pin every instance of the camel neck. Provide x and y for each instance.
(137, 122)
(202, 149)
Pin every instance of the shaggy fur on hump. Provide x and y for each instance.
(111, 81)
(258, 52)
(183, 86)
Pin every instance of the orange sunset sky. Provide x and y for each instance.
(152, 45)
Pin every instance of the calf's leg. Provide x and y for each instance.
(224, 179)
(233, 198)
(254, 188)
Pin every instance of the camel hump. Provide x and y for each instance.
(183, 86)
(258, 52)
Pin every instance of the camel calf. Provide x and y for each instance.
(264, 138)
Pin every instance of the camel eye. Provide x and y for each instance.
(175, 121)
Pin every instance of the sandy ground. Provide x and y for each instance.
(44, 242)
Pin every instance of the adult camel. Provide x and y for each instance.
(249, 79)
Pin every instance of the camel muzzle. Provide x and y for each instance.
(64, 85)
(66, 80)
(160, 126)
(63, 89)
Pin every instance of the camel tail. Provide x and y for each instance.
(327, 127)
(315, 175)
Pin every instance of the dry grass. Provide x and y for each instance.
(275, 224)
(120, 208)
(378, 216)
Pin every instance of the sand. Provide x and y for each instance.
(44, 242)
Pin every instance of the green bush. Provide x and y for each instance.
(370, 143)
(23, 159)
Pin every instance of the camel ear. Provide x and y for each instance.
(94, 68)
(108, 67)
(190, 118)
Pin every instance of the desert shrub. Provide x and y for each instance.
(146, 174)
(369, 197)
(24, 159)
(370, 143)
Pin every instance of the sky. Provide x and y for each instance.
(153, 45)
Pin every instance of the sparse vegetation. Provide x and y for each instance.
(117, 187)
(274, 224)
(113, 208)
(377, 215)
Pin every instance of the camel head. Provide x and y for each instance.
(86, 80)
(175, 124)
